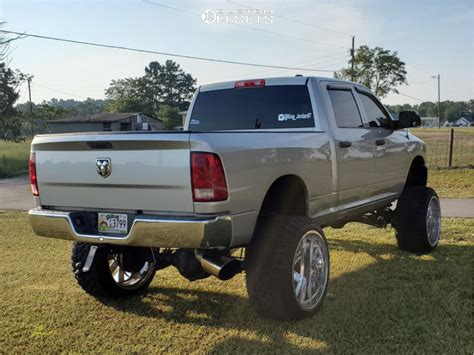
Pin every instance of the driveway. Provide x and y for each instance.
(457, 207)
(15, 195)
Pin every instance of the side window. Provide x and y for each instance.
(375, 113)
(345, 108)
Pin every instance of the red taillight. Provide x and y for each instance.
(33, 177)
(208, 178)
(249, 83)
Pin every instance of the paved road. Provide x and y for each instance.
(15, 195)
(457, 207)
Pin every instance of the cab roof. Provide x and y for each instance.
(286, 80)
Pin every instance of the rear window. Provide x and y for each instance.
(286, 106)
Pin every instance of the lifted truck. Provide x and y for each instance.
(261, 164)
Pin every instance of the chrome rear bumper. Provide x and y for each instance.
(146, 230)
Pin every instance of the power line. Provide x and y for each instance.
(297, 21)
(318, 61)
(337, 63)
(325, 29)
(248, 27)
(411, 97)
(58, 91)
(321, 60)
(424, 82)
(206, 59)
(419, 69)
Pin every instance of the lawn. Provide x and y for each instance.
(453, 183)
(380, 300)
(14, 158)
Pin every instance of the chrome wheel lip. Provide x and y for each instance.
(128, 280)
(314, 265)
(433, 221)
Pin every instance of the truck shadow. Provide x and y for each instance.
(386, 306)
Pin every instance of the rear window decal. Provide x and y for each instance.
(282, 117)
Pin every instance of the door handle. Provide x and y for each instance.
(380, 142)
(345, 144)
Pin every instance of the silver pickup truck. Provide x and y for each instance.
(261, 167)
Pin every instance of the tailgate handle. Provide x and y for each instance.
(345, 144)
(380, 142)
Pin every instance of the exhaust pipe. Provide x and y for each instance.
(216, 263)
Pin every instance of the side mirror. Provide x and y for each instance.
(407, 119)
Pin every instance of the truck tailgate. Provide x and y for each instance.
(149, 171)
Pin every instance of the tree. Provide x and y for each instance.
(376, 68)
(449, 110)
(170, 116)
(399, 108)
(5, 43)
(10, 80)
(168, 84)
(426, 108)
(87, 106)
(165, 84)
(470, 105)
(129, 95)
(47, 112)
(126, 104)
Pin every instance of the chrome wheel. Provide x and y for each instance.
(433, 221)
(129, 280)
(310, 270)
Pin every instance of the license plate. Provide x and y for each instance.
(112, 223)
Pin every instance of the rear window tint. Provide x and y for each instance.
(286, 106)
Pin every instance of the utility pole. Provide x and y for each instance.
(352, 58)
(31, 105)
(439, 103)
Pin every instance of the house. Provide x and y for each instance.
(183, 116)
(429, 122)
(108, 121)
(464, 122)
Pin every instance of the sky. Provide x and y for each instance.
(431, 37)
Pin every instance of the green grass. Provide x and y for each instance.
(14, 158)
(453, 183)
(380, 300)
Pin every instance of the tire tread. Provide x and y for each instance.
(410, 219)
(268, 258)
(98, 281)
